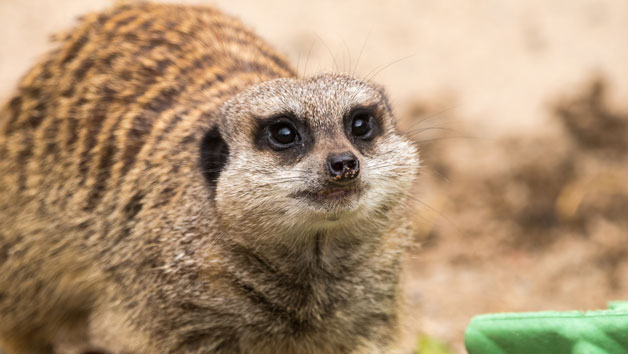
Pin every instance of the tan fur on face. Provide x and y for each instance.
(112, 237)
(257, 182)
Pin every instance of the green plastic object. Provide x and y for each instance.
(549, 332)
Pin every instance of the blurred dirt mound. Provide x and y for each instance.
(563, 184)
(524, 223)
(592, 124)
(598, 136)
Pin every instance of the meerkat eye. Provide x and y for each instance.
(361, 124)
(282, 135)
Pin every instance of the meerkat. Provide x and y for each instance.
(169, 184)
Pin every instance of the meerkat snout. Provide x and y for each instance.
(343, 167)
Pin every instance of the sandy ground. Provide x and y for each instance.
(519, 207)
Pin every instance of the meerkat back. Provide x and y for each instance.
(167, 185)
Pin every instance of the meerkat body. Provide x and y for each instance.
(167, 185)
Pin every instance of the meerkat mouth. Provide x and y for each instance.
(330, 194)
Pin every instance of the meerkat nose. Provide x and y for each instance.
(343, 167)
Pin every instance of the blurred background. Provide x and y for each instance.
(520, 109)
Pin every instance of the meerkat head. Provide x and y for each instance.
(302, 155)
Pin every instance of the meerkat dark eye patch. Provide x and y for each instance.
(214, 155)
(285, 135)
(362, 124)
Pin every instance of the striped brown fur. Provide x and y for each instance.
(115, 234)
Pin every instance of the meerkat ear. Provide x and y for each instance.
(214, 155)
